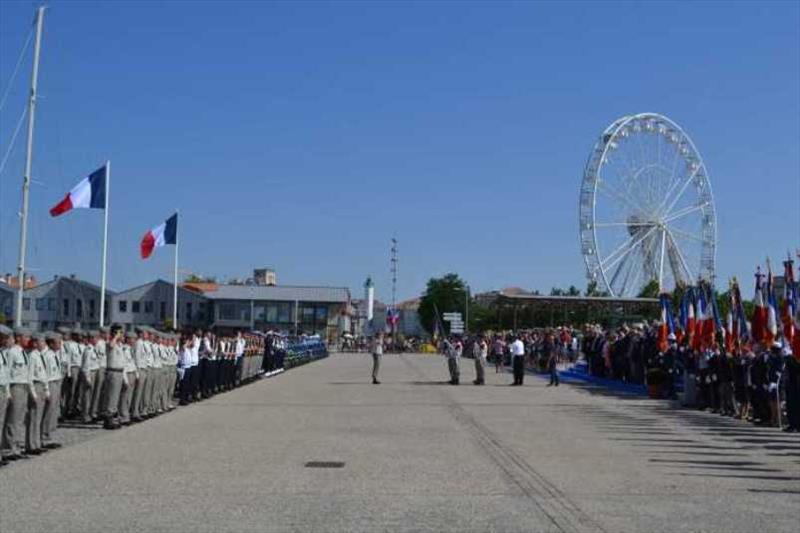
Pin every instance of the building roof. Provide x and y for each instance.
(43, 287)
(284, 293)
(162, 282)
(581, 299)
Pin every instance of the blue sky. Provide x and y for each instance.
(304, 135)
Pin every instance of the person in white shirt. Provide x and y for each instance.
(480, 351)
(377, 353)
(453, 351)
(518, 360)
(240, 345)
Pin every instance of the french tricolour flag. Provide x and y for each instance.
(90, 193)
(166, 233)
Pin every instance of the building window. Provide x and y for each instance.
(163, 310)
(40, 302)
(148, 307)
(321, 316)
(272, 314)
(51, 304)
(227, 312)
(78, 308)
(26, 304)
(285, 313)
(65, 307)
(91, 308)
(307, 315)
(188, 310)
(135, 306)
(123, 306)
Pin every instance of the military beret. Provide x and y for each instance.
(22, 332)
(142, 329)
(93, 333)
(131, 335)
(38, 336)
(78, 331)
(64, 330)
(105, 329)
(5, 330)
(50, 335)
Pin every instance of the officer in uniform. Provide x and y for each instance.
(90, 367)
(6, 340)
(131, 377)
(792, 365)
(21, 392)
(41, 393)
(173, 370)
(54, 366)
(102, 357)
(155, 388)
(70, 388)
(142, 369)
(115, 379)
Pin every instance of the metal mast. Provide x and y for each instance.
(394, 271)
(26, 182)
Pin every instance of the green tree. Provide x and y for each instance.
(592, 290)
(556, 291)
(447, 294)
(651, 290)
(573, 291)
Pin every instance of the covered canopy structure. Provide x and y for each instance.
(534, 310)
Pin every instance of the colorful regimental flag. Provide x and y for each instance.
(759, 321)
(772, 310)
(789, 302)
(166, 233)
(667, 327)
(90, 193)
(687, 315)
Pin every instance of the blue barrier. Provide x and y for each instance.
(580, 372)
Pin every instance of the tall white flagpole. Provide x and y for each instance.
(175, 278)
(26, 180)
(105, 246)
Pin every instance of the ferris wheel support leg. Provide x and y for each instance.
(661, 266)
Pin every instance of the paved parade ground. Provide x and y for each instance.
(419, 455)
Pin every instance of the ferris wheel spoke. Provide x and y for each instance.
(677, 197)
(680, 213)
(682, 259)
(685, 234)
(625, 249)
(614, 193)
(661, 263)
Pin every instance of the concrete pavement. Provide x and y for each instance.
(419, 455)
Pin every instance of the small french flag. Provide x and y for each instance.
(166, 233)
(90, 193)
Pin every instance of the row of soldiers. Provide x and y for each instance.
(106, 376)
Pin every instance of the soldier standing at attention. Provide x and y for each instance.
(480, 351)
(6, 339)
(377, 353)
(41, 393)
(90, 366)
(21, 393)
(154, 395)
(114, 380)
(142, 368)
(102, 359)
(74, 354)
(55, 373)
(129, 379)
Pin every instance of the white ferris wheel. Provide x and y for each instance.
(646, 208)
